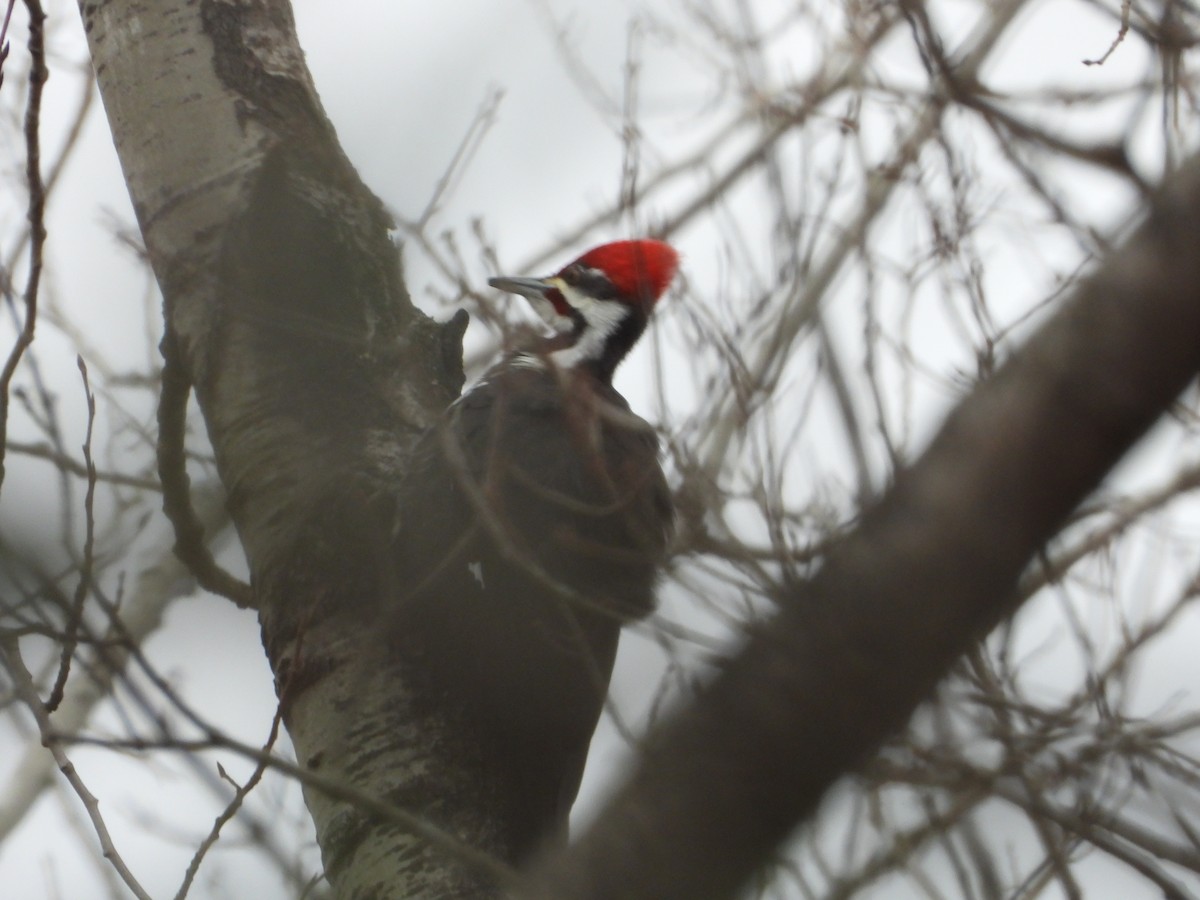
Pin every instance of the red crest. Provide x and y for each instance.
(641, 268)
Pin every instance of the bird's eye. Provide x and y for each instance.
(592, 283)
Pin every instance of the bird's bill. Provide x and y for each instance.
(535, 290)
(532, 288)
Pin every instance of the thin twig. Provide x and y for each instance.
(4, 38)
(75, 618)
(1122, 31)
(10, 658)
(231, 809)
(36, 210)
(65, 463)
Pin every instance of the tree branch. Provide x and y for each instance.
(930, 570)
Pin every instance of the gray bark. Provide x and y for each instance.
(286, 311)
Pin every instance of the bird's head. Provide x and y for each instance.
(600, 303)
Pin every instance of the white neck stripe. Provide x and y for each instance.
(602, 318)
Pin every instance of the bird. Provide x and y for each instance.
(540, 518)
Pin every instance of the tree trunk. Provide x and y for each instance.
(286, 311)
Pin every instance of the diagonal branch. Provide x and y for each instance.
(930, 570)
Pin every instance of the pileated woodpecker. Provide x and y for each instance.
(538, 519)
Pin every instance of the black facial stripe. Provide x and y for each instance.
(592, 282)
(578, 322)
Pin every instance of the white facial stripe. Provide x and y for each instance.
(603, 317)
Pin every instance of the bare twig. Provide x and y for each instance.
(65, 463)
(1122, 31)
(240, 794)
(10, 658)
(4, 38)
(37, 209)
(75, 612)
(163, 578)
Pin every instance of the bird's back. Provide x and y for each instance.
(544, 517)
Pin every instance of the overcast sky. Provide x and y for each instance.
(403, 83)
